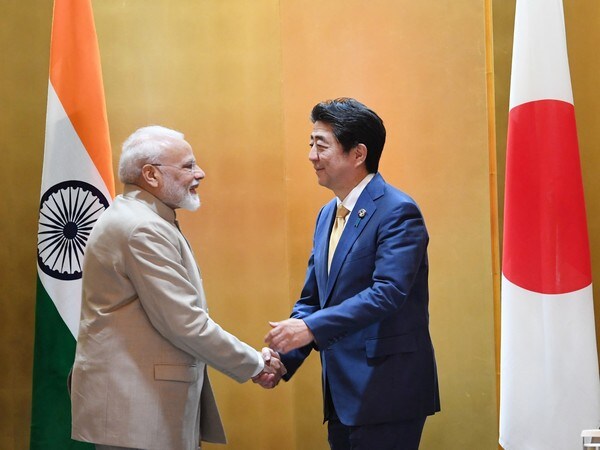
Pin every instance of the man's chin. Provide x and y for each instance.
(191, 203)
(321, 178)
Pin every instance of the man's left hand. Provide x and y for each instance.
(288, 335)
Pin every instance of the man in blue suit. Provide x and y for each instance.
(364, 305)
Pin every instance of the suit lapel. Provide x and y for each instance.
(322, 233)
(355, 224)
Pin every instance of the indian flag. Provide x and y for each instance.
(77, 186)
(549, 383)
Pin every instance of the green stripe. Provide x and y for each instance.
(54, 353)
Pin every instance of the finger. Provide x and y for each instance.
(273, 324)
(280, 369)
(275, 345)
(268, 382)
(282, 346)
(266, 354)
(272, 352)
(275, 364)
(270, 336)
(263, 378)
(271, 381)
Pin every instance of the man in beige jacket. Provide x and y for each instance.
(145, 337)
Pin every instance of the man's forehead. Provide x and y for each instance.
(322, 130)
(180, 151)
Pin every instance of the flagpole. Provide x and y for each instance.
(493, 187)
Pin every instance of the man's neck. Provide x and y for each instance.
(343, 191)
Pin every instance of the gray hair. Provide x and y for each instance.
(145, 146)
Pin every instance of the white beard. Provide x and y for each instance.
(191, 202)
(177, 197)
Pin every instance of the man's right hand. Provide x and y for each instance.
(273, 370)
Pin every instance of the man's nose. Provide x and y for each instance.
(199, 173)
(312, 154)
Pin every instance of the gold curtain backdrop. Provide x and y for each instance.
(239, 79)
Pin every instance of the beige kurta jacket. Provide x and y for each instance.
(145, 337)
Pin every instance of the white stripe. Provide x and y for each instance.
(550, 388)
(540, 66)
(65, 158)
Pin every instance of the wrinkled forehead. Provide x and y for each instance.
(178, 150)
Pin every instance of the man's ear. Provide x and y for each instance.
(150, 175)
(360, 154)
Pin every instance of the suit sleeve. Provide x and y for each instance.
(307, 305)
(171, 301)
(399, 256)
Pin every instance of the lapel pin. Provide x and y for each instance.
(362, 213)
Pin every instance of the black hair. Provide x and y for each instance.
(353, 123)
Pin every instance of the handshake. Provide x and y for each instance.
(284, 336)
(273, 370)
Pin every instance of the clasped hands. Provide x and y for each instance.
(273, 370)
(285, 336)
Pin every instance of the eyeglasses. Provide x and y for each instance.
(190, 168)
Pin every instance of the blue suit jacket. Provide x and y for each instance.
(369, 316)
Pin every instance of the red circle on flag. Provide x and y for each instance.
(546, 246)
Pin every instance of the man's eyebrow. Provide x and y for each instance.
(317, 136)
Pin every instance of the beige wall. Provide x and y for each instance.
(408, 61)
(24, 38)
(239, 78)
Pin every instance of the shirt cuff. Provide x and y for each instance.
(261, 364)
